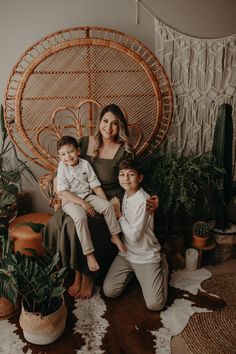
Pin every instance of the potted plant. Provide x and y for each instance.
(8, 288)
(11, 170)
(38, 282)
(201, 231)
(222, 150)
(224, 229)
(43, 314)
(184, 184)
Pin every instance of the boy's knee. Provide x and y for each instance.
(80, 218)
(154, 305)
(108, 290)
(107, 206)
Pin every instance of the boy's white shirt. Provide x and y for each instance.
(79, 179)
(138, 230)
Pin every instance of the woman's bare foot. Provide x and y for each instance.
(92, 262)
(119, 244)
(75, 287)
(86, 289)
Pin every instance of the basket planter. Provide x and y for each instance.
(199, 242)
(42, 330)
(225, 243)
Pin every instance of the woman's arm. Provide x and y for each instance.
(152, 204)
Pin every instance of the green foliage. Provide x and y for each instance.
(36, 279)
(36, 227)
(182, 183)
(201, 229)
(8, 264)
(222, 150)
(40, 284)
(10, 176)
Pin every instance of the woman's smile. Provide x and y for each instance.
(109, 126)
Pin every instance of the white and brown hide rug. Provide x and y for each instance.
(124, 325)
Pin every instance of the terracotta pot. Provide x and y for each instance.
(199, 242)
(7, 309)
(38, 329)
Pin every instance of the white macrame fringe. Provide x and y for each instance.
(203, 76)
(202, 73)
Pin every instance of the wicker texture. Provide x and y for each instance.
(214, 332)
(60, 83)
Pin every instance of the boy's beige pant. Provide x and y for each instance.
(79, 216)
(153, 278)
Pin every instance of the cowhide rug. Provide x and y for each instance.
(122, 325)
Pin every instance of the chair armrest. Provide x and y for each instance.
(47, 187)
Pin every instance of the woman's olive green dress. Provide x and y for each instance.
(59, 235)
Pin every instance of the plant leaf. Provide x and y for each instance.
(36, 227)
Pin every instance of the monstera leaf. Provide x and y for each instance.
(6, 199)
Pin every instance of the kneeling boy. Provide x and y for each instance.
(143, 256)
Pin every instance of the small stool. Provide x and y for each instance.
(24, 237)
(210, 246)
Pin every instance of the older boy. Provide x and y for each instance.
(143, 257)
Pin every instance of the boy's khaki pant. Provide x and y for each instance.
(79, 216)
(153, 278)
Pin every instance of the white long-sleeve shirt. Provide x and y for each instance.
(138, 228)
(79, 179)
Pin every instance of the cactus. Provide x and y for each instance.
(222, 151)
(201, 229)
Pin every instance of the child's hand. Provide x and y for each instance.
(88, 208)
(152, 204)
(116, 205)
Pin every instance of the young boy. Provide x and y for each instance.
(76, 185)
(143, 257)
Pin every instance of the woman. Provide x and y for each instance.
(104, 151)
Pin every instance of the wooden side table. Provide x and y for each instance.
(210, 246)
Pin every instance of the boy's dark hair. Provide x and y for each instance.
(67, 140)
(132, 164)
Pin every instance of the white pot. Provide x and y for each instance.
(39, 329)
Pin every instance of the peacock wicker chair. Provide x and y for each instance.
(60, 83)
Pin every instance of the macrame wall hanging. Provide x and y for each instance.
(202, 73)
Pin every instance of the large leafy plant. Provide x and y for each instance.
(36, 279)
(182, 183)
(8, 267)
(11, 170)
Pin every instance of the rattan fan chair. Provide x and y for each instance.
(59, 85)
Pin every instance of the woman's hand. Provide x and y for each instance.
(116, 205)
(152, 204)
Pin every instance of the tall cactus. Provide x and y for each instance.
(222, 150)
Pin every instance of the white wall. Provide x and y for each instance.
(23, 22)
